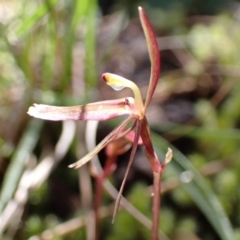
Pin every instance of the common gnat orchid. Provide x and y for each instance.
(134, 107)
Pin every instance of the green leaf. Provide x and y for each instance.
(198, 189)
(90, 45)
(28, 22)
(200, 132)
(18, 162)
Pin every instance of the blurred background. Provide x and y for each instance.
(54, 52)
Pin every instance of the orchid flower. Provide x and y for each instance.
(105, 110)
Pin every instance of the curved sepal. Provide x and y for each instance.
(153, 54)
(110, 137)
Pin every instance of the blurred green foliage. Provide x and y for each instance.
(121, 230)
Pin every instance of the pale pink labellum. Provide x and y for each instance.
(99, 111)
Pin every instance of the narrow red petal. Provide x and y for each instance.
(135, 145)
(110, 137)
(147, 142)
(99, 111)
(130, 137)
(153, 54)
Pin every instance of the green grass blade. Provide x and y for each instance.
(19, 159)
(200, 132)
(28, 22)
(80, 10)
(198, 189)
(90, 45)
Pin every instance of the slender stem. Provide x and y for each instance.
(134, 149)
(108, 170)
(156, 203)
(97, 204)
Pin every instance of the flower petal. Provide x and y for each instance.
(147, 142)
(153, 54)
(110, 137)
(134, 149)
(93, 111)
(130, 137)
(118, 83)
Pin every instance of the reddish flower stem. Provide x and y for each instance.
(156, 203)
(97, 204)
(108, 170)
